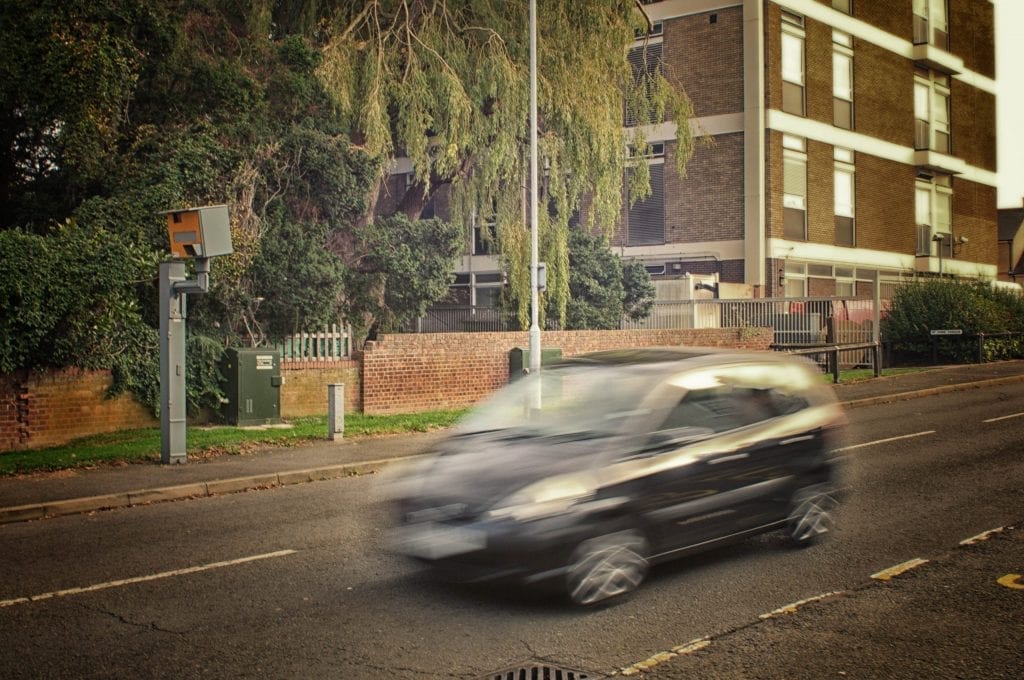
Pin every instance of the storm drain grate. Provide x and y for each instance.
(540, 671)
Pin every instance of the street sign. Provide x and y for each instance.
(947, 331)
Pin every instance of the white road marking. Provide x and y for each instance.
(883, 441)
(143, 579)
(1012, 415)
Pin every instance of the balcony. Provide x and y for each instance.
(938, 59)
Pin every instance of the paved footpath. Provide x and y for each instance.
(36, 496)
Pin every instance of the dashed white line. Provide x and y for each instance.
(883, 441)
(143, 579)
(1012, 415)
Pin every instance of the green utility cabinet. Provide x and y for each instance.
(253, 385)
(519, 360)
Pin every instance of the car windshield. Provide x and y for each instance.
(565, 400)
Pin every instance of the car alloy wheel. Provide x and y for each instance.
(811, 517)
(606, 567)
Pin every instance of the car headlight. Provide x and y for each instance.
(544, 499)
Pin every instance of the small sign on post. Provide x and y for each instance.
(947, 331)
(336, 411)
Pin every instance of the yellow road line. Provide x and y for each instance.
(891, 572)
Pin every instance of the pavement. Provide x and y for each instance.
(36, 496)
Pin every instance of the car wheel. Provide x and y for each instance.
(606, 567)
(811, 517)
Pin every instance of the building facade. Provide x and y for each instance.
(851, 140)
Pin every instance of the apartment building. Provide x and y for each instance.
(854, 140)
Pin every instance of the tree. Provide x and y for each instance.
(445, 83)
(603, 288)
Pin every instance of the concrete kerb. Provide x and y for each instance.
(35, 511)
(939, 389)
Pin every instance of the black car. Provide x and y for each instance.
(588, 472)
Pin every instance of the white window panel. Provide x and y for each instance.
(792, 58)
(844, 192)
(842, 76)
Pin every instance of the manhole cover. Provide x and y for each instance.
(540, 671)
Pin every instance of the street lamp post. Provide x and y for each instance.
(534, 296)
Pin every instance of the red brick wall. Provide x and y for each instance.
(707, 59)
(304, 392)
(410, 373)
(972, 35)
(47, 409)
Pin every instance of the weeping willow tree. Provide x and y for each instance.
(446, 84)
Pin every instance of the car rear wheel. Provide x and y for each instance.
(812, 516)
(606, 567)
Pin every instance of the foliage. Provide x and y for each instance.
(67, 298)
(406, 264)
(973, 308)
(602, 287)
(446, 83)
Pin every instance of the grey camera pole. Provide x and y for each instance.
(174, 286)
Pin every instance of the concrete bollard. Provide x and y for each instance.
(336, 411)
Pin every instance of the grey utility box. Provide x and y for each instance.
(253, 386)
(519, 360)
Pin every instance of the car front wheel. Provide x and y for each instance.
(606, 567)
(812, 515)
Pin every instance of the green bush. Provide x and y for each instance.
(972, 307)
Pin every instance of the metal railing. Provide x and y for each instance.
(332, 343)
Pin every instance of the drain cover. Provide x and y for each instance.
(540, 671)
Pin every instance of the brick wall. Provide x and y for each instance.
(304, 392)
(975, 216)
(707, 59)
(47, 409)
(707, 204)
(409, 373)
(883, 94)
(973, 125)
(885, 205)
(972, 35)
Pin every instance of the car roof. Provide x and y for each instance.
(690, 355)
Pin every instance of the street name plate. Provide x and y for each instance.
(947, 331)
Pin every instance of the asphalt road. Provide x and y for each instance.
(292, 582)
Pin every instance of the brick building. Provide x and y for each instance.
(853, 139)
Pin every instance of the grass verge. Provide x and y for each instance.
(141, 446)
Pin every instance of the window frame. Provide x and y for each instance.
(794, 198)
(844, 168)
(932, 92)
(842, 97)
(794, 76)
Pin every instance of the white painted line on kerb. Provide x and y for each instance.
(883, 441)
(892, 572)
(1012, 415)
(143, 579)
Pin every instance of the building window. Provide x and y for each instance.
(846, 285)
(794, 279)
(933, 209)
(842, 80)
(931, 111)
(844, 6)
(793, 63)
(645, 219)
(930, 25)
(646, 62)
(794, 188)
(844, 198)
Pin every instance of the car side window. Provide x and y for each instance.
(719, 409)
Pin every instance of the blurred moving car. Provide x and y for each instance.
(587, 473)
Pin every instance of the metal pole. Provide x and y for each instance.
(534, 297)
(172, 364)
